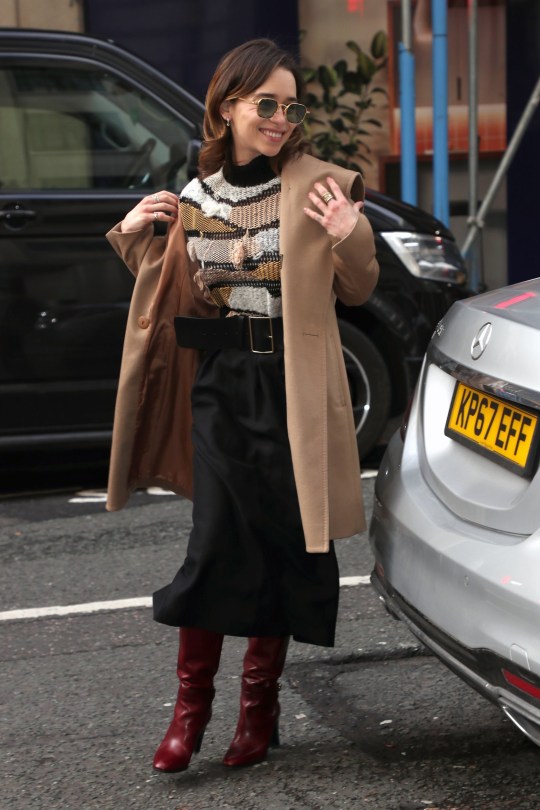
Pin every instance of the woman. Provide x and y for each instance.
(251, 414)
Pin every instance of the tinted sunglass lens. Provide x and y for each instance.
(296, 113)
(266, 107)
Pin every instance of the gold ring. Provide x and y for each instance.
(156, 214)
(327, 197)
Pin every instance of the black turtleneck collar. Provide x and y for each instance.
(253, 173)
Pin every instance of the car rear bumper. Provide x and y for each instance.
(469, 594)
(481, 669)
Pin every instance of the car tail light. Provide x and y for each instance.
(521, 684)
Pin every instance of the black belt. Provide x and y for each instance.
(256, 334)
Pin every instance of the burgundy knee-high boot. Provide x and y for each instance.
(257, 727)
(198, 662)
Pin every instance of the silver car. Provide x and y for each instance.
(456, 523)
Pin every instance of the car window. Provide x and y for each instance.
(75, 126)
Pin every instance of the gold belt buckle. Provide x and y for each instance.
(271, 335)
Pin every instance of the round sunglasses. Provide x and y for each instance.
(268, 107)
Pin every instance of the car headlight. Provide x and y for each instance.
(428, 257)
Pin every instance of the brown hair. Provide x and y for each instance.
(239, 73)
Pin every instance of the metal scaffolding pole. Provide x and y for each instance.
(439, 14)
(476, 279)
(407, 102)
(478, 221)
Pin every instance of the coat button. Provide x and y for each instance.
(143, 321)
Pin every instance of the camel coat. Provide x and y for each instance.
(152, 426)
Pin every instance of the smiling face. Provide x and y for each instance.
(252, 135)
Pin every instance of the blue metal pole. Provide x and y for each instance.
(407, 103)
(439, 16)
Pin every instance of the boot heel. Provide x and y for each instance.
(274, 739)
(198, 743)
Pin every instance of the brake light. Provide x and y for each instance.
(521, 684)
(517, 299)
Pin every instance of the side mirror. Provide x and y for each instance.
(192, 158)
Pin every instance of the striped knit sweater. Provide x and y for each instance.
(232, 228)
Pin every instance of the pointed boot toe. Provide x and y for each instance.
(174, 753)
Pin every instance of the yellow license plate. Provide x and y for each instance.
(495, 428)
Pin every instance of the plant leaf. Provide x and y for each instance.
(366, 67)
(347, 108)
(354, 46)
(352, 82)
(379, 45)
(340, 68)
(309, 74)
(338, 125)
(327, 77)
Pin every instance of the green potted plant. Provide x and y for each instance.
(342, 100)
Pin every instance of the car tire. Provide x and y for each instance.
(369, 384)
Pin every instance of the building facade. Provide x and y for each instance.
(185, 39)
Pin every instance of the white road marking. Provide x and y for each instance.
(350, 582)
(116, 604)
(89, 496)
(100, 495)
(87, 499)
(369, 473)
(70, 610)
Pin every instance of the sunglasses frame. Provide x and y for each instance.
(284, 107)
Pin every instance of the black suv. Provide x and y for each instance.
(87, 129)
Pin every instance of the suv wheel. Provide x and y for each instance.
(369, 384)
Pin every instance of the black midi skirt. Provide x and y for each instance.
(246, 571)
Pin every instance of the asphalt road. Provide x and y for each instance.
(375, 722)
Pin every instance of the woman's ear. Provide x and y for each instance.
(225, 109)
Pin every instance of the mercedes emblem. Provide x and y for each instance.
(480, 341)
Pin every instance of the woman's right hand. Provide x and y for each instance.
(161, 206)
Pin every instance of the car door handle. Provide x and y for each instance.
(16, 216)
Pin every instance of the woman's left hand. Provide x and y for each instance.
(335, 212)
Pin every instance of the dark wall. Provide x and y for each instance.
(523, 72)
(186, 38)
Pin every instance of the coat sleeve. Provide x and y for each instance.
(355, 266)
(137, 247)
